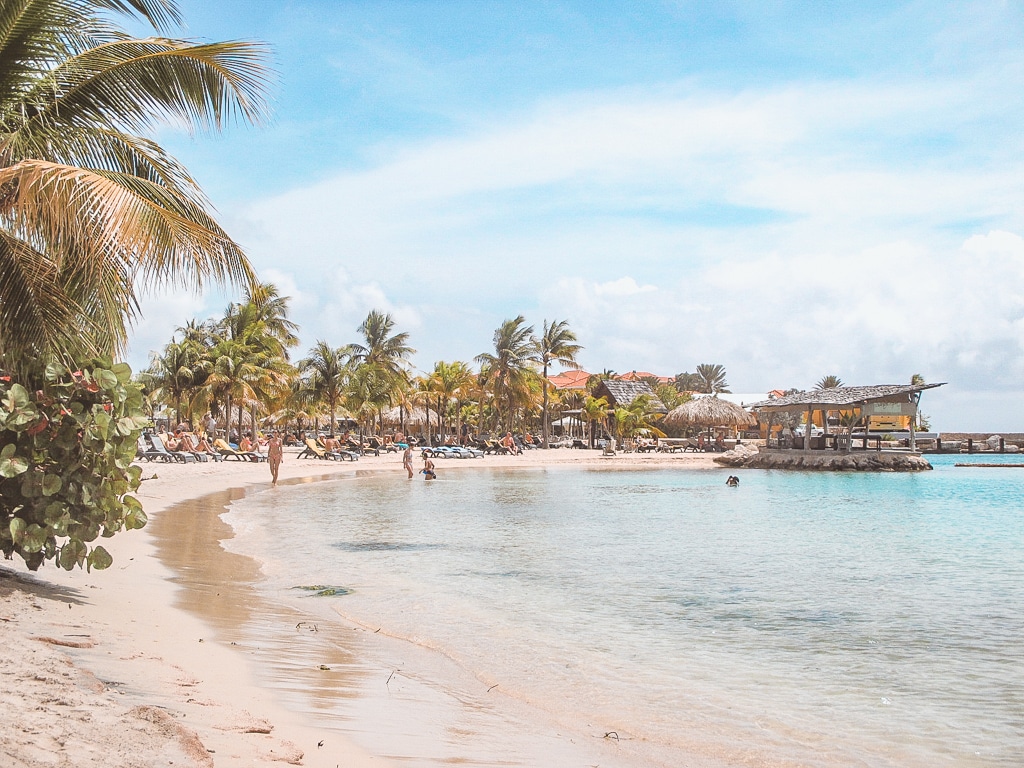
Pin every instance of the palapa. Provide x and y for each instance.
(414, 417)
(709, 412)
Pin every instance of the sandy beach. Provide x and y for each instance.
(107, 669)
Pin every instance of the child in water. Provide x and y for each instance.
(428, 469)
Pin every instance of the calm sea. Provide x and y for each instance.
(659, 617)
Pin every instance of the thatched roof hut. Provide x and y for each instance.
(709, 412)
(622, 394)
(414, 417)
(835, 398)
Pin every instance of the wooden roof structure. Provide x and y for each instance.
(835, 398)
(623, 393)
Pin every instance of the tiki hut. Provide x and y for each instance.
(415, 417)
(709, 412)
(621, 394)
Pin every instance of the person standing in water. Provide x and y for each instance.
(407, 460)
(275, 452)
(428, 469)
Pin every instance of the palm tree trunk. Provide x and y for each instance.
(544, 409)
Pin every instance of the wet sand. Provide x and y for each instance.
(171, 657)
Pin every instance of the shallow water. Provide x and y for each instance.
(800, 619)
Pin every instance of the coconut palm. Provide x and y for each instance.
(636, 418)
(173, 375)
(448, 381)
(91, 208)
(594, 410)
(387, 352)
(556, 344)
(829, 382)
(508, 371)
(324, 375)
(712, 378)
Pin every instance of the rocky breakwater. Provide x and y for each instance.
(752, 457)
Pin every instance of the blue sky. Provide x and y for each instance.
(788, 189)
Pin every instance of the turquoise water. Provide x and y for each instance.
(799, 619)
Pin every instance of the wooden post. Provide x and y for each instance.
(1002, 445)
(970, 445)
(913, 440)
(809, 428)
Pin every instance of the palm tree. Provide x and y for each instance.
(324, 376)
(387, 352)
(688, 382)
(448, 381)
(829, 382)
(636, 418)
(594, 409)
(712, 378)
(556, 344)
(91, 209)
(173, 375)
(507, 372)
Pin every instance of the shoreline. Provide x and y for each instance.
(132, 675)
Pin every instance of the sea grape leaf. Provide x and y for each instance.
(99, 559)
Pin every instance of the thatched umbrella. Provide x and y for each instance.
(709, 412)
(415, 417)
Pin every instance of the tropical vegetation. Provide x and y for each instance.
(92, 211)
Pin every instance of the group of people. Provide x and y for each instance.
(428, 471)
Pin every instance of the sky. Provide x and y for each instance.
(788, 189)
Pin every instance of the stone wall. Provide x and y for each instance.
(827, 461)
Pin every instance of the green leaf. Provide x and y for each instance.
(54, 371)
(106, 379)
(17, 397)
(10, 464)
(17, 527)
(123, 371)
(34, 539)
(51, 484)
(100, 559)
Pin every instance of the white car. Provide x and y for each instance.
(816, 431)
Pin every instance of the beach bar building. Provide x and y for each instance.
(853, 405)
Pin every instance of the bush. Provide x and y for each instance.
(65, 463)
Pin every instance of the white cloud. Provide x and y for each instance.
(846, 228)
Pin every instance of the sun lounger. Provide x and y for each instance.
(147, 452)
(228, 452)
(338, 454)
(182, 457)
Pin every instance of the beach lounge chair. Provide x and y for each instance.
(146, 451)
(378, 446)
(228, 452)
(182, 457)
(336, 453)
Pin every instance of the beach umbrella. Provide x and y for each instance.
(709, 412)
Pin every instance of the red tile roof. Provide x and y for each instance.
(570, 379)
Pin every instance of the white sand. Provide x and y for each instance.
(102, 670)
